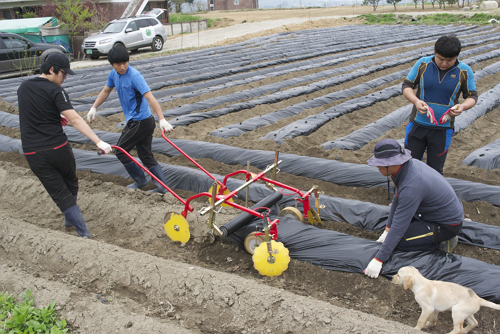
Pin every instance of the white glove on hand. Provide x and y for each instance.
(373, 268)
(446, 117)
(91, 115)
(164, 125)
(430, 115)
(105, 147)
(382, 237)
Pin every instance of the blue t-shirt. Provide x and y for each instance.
(131, 88)
(439, 93)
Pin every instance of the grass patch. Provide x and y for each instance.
(24, 317)
(176, 18)
(431, 19)
(379, 18)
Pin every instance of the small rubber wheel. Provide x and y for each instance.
(289, 210)
(252, 241)
(157, 44)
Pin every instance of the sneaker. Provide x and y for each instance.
(449, 245)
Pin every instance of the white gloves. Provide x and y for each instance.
(105, 147)
(64, 120)
(382, 237)
(91, 115)
(446, 116)
(164, 125)
(373, 268)
(430, 114)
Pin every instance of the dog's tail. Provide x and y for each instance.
(489, 304)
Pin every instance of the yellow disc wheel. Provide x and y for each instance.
(313, 217)
(226, 192)
(289, 210)
(177, 227)
(252, 241)
(271, 265)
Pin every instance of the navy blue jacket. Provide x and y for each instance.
(420, 192)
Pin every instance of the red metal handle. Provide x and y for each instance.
(150, 174)
(194, 162)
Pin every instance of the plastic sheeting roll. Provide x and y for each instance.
(245, 218)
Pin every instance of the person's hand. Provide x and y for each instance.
(382, 237)
(430, 115)
(164, 125)
(105, 147)
(64, 120)
(91, 115)
(421, 107)
(447, 115)
(373, 269)
(456, 110)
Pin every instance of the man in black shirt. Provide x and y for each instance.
(42, 100)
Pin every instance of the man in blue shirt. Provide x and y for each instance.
(440, 80)
(425, 213)
(135, 98)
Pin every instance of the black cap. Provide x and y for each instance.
(60, 60)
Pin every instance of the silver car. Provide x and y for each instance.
(132, 32)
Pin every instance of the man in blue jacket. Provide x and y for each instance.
(425, 213)
(440, 80)
(135, 98)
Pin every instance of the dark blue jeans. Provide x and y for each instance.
(56, 169)
(140, 135)
(426, 236)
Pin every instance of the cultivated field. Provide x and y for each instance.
(294, 91)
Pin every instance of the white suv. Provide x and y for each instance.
(132, 32)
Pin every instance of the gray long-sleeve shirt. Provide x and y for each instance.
(421, 192)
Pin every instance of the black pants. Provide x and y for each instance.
(437, 142)
(140, 135)
(56, 169)
(426, 236)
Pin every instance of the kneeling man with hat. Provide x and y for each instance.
(425, 213)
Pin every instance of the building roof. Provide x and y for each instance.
(23, 26)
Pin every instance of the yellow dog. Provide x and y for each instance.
(437, 296)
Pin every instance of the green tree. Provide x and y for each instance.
(74, 16)
(373, 3)
(393, 2)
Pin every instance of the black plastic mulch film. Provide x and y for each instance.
(332, 250)
(359, 138)
(329, 249)
(487, 157)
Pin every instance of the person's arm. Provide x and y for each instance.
(79, 123)
(154, 104)
(459, 108)
(164, 125)
(103, 95)
(469, 93)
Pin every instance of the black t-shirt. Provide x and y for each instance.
(40, 105)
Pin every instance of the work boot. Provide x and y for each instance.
(74, 217)
(136, 174)
(67, 225)
(158, 172)
(448, 245)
